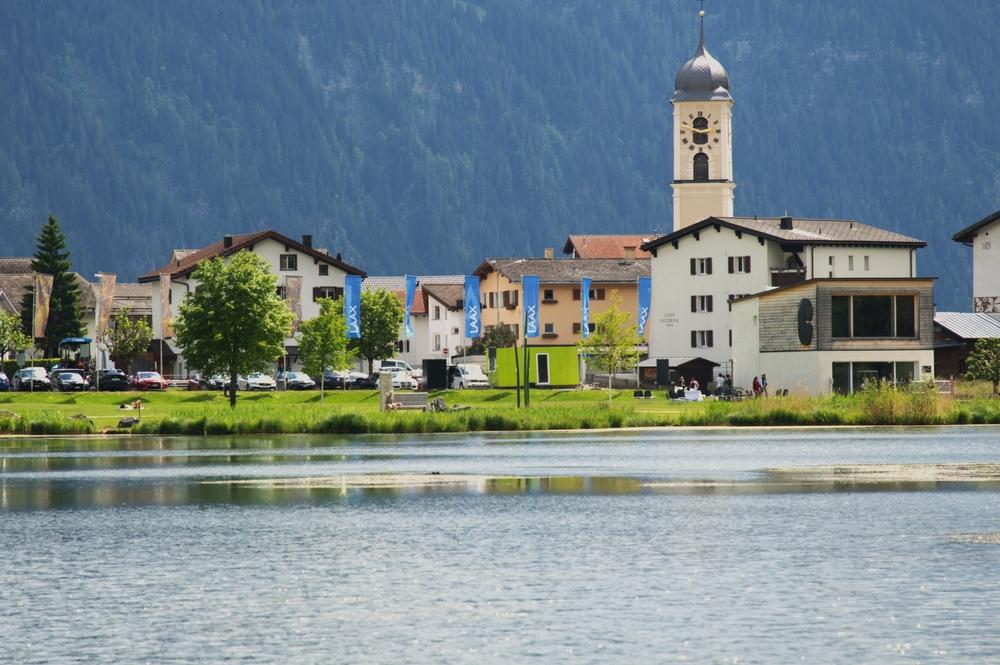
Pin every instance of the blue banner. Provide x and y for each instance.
(472, 322)
(352, 305)
(411, 290)
(584, 307)
(645, 292)
(529, 284)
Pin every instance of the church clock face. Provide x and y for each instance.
(700, 131)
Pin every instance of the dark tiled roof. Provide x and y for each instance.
(184, 262)
(15, 265)
(606, 246)
(569, 271)
(967, 234)
(803, 231)
(452, 295)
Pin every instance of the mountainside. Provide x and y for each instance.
(423, 136)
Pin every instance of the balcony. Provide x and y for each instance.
(787, 276)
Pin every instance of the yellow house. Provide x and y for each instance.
(559, 293)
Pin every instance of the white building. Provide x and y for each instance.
(834, 335)
(984, 238)
(713, 256)
(322, 276)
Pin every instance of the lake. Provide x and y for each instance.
(714, 546)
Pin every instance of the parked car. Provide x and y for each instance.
(393, 363)
(295, 380)
(147, 381)
(401, 380)
(256, 381)
(362, 381)
(31, 378)
(68, 381)
(465, 375)
(4, 382)
(110, 379)
(333, 379)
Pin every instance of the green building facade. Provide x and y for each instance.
(551, 366)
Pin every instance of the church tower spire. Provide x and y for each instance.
(703, 148)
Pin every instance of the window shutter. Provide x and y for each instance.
(506, 298)
(708, 266)
(694, 303)
(731, 269)
(600, 294)
(514, 304)
(694, 266)
(694, 339)
(730, 337)
(576, 328)
(746, 264)
(708, 339)
(576, 294)
(709, 303)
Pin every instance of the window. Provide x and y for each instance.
(591, 327)
(701, 266)
(701, 303)
(280, 290)
(482, 301)
(873, 316)
(866, 264)
(289, 262)
(850, 263)
(170, 297)
(324, 270)
(548, 295)
(332, 292)
(403, 346)
(700, 137)
(701, 339)
(437, 312)
(437, 342)
(493, 302)
(701, 167)
(549, 329)
(739, 264)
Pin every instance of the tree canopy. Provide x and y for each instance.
(12, 338)
(126, 337)
(381, 317)
(233, 323)
(984, 362)
(614, 344)
(323, 341)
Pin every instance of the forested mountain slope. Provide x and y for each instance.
(421, 136)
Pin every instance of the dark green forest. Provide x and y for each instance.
(423, 135)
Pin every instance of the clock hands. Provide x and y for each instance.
(695, 129)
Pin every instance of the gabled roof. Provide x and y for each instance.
(15, 265)
(184, 262)
(606, 246)
(15, 286)
(419, 307)
(802, 231)
(568, 271)
(967, 234)
(968, 325)
(398, 282)
(451, 296)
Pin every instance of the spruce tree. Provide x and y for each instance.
(65, 311)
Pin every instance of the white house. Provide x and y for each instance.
(713, 256)
(984, 238)
(295, 262)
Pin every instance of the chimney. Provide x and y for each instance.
(629, 251)
(786, 223)
(227, 242)
(338, 257)
(549, 253)
(307, 241)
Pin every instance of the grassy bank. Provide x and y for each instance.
(356, 412)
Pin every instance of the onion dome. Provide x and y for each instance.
(702, 78)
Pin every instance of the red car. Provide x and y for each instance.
(148, 381)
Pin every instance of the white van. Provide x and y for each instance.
(468, 376)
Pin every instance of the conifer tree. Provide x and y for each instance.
(65, 311)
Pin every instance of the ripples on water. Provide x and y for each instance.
(656, 547)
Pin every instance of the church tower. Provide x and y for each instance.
(703, 139)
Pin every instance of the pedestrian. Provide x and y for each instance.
(720, 383)
(763, 384)
(694, 384)
(756, 387)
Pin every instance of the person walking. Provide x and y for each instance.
(756, 387)
(763, 384)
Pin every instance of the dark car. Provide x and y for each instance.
(65, 381)
(31, 378)
(369, 382)
(333, 380)
(4, 382)
(295, 381)
(110, 379)
(148, 381)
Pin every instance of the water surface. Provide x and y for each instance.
(696, 546)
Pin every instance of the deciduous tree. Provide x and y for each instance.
(126, 338)
(65, 313)
(984, 362)
(12, 338)
(381, 316)
(614, 344)
(324, 341)
(234, 323)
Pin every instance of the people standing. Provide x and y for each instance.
(763, 384)
(756, 387)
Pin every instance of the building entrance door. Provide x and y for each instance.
(542, 362)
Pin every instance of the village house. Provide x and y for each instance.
(305, 274)
(984, 238)
(607, 246)
(554, 356)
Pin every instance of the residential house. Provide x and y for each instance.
(322, 275)
(835, 334)
(984, 238)
(607, 246)
(559, 308)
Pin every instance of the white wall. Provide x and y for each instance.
(986, 268)
(811, 372)
(693, 202)
(882, 261)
